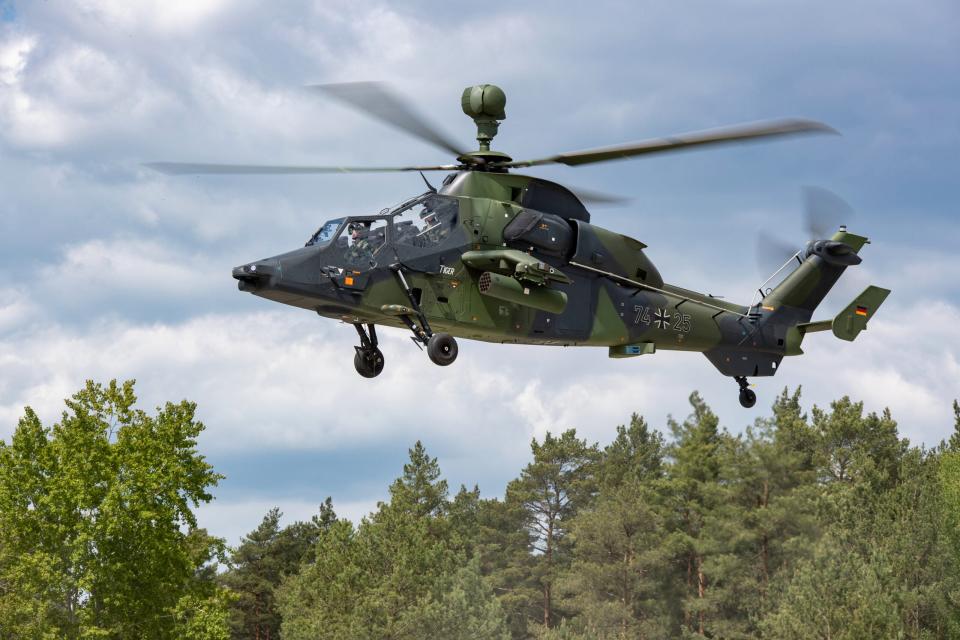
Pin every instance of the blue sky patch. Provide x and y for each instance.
(7, 11)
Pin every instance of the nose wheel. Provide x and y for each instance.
(368, 360)
(747, 397)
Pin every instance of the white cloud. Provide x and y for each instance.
(282, 379)
(166, 17)
(232, 520)
(113, 271)
(125, 268)
(57, 95)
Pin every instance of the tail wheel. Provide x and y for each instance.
(747, 398)
(442, 349)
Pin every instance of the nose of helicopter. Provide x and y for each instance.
(256, 275)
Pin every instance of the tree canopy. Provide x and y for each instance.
(824, 524)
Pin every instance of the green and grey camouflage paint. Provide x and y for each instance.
(523, 264)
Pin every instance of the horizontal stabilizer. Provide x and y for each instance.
(848, 324)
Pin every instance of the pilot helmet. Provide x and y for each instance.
(359, 228)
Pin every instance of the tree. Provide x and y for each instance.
(503, 544)
(691, 494)
(852, 444)
(420, 490)
(836, 595)
(954, 442)
(635, 453)
(465, 610)
(97, 532)
(363, 581)
(763, 515)
(257, 566)
(550, 490)
(614, 582)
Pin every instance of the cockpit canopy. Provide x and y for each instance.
(415, 227)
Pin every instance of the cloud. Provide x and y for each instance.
(232, 520)
(111, 270)
(165, 17)
(283, 380)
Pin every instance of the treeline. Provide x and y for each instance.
(826, 525)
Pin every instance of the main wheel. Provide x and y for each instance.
(442, 349)
(368, 362)
(747, 398)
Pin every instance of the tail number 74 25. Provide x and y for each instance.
(662, 319)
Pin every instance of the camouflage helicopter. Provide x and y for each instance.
(500, 257)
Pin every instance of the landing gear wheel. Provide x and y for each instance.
(747, 397)
(368, 362)
(442, 349)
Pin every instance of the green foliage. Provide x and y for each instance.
(93, 513)
(831, 526)
(264, 557)
(549, 491)
(364, 581)
(836, 595)
(466, 610)
(954, 443)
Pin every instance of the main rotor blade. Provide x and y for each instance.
(374, 99)
(737, 133)
(599, 198)
(193, 168)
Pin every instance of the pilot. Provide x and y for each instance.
(360, 248)
(436, 226)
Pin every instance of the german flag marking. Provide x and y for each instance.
(861, 311)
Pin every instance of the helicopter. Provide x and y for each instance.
(501, 257)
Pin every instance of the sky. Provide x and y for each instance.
(109, 270)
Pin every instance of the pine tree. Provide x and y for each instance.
(636, 453)
(954, 442)
(614, 582)
(420, 490)
(550, 490)
(504, 544)
(763, 518)
(466, 609)
(691, 493)
(852, 444)
(265, 556)
(364, 581)
(836, 595)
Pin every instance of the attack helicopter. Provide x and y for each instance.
(501, 257)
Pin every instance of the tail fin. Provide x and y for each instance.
(808, 285)
(848, 324)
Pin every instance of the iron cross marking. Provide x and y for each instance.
(662, 319)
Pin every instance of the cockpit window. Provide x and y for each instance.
(325, 233)
(418, 228)
(425, 221)
(363, 240)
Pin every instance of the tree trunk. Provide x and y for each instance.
(256, 622)
(764, 545)
(686, 614)
(701, 586)
(546, 584)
